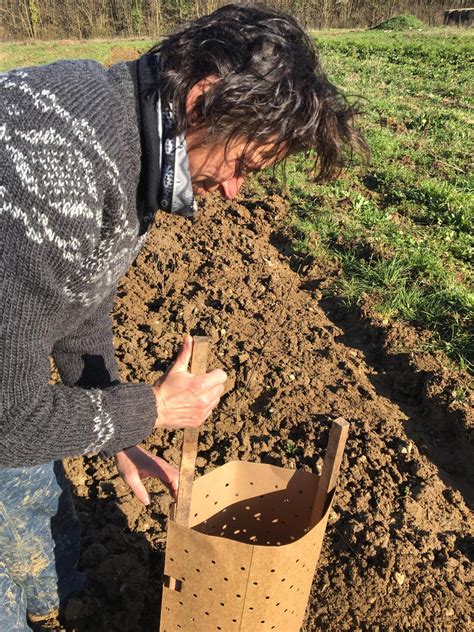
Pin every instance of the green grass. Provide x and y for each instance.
(31, 53)
(400, 229)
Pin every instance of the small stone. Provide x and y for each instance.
(292, 377)
(400, 578)
(74, 610)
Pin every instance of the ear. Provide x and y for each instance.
(197, 91)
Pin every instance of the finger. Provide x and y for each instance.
(134, 482)
(213, 395)
(174, 488)
(184, 356)
(217, 376)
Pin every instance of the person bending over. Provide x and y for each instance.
(88, 156)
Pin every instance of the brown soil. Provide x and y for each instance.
(397, 549)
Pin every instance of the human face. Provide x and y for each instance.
(215, 167)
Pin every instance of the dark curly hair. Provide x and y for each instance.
(270, 87)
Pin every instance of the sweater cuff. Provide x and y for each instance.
(132, 412)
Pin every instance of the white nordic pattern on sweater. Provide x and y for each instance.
(103, 426)
(60, 173)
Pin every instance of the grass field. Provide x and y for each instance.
(401, 228)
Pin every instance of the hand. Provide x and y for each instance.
(184, 400)
(135, 464)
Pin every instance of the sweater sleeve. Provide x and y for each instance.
(41, 421)
(86, 357)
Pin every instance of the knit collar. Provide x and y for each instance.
(165, 180)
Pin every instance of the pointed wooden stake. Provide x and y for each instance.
(332, 463)
(191, 439)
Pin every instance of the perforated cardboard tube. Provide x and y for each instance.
(246, 562)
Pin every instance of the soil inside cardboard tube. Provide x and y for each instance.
(398, 546)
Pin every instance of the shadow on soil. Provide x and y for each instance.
(438, 433)
(123, 568)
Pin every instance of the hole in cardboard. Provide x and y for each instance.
(172, 583)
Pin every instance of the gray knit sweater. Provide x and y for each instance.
(69, 169)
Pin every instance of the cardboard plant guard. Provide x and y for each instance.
(244, 557)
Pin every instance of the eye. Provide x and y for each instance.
(243, 169)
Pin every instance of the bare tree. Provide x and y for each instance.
(49, 19)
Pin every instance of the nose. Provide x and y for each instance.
(230, 187)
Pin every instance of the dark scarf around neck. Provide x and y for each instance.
(165, 181)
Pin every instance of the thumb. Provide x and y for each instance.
(184, 356)
(134, 481)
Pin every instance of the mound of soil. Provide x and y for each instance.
(401, 23)
(397, 549)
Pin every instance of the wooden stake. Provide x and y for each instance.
(191, 439)
(332, 463)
